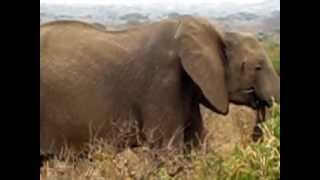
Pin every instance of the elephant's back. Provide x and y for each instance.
(68, 23)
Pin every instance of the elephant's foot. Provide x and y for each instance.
(257, 134)
(194, 139)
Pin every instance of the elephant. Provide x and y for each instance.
(144, 85)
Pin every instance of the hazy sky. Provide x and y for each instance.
(147, 1)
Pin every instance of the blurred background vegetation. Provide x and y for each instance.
(273, 50)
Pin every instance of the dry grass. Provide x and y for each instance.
(227, 154)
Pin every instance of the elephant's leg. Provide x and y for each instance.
(45, 154)
(45, 157)
(163, 128)
(174, 141)
(164, 137)
(195, 131)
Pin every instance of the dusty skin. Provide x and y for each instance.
(95, 83)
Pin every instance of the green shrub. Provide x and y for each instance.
(259, 160)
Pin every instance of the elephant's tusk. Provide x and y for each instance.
(273, 99)
(248, 91)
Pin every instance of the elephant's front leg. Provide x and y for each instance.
(195, 131)
(164, 130)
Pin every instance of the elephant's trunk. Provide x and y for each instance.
(268, 85)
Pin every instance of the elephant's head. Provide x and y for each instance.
(232, 67)
(252, 79)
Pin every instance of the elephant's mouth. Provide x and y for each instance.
(256, 102)
(260, 106)
(248, 91)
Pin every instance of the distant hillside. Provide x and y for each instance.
(262, 18)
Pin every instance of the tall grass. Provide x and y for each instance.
(259, 160)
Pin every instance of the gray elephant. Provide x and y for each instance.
(144, 85)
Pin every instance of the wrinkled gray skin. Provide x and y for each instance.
(98, 84)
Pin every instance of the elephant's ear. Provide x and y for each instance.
(200, 49)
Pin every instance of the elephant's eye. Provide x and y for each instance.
(258, 67)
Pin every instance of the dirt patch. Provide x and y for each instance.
(225, 132)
